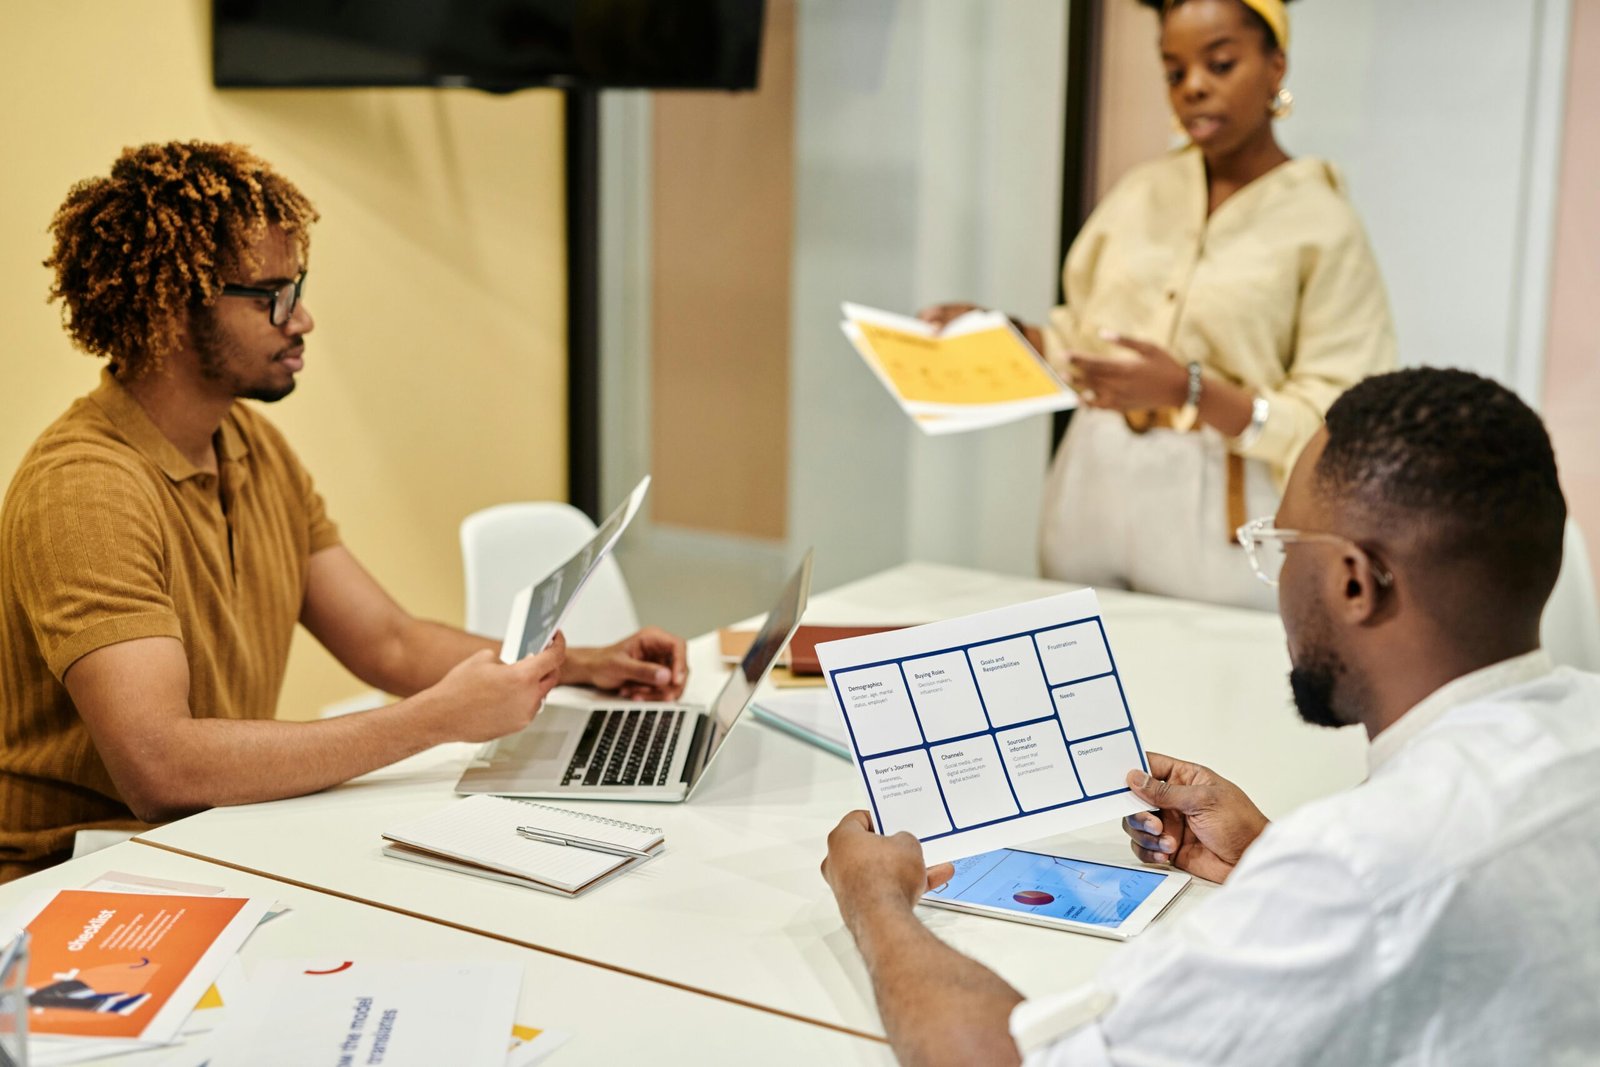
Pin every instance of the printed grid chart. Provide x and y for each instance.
(998, 729)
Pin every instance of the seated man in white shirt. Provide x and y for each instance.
(1445, 911)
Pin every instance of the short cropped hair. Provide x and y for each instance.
(1461, 463)
(137, 252)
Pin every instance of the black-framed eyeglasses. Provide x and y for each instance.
(284, 299)
(1265, 544)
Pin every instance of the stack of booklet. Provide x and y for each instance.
(131, 963)
(550, 849)
(809, 714)
(123, 965)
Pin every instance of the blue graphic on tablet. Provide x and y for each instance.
(1037, 884)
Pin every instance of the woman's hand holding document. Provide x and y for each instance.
(976, 371)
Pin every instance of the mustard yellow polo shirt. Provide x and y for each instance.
(108, 534)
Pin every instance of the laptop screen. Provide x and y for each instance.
(780, 625)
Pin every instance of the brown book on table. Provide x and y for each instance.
(800, 661)
(803, 646)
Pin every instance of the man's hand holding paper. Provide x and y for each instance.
(862, 866)
(1203, 823)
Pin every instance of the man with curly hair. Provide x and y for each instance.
(160, 540)
(1442, 912)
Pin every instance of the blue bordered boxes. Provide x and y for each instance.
(991, 729)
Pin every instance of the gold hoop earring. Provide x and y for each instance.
(1282, 105)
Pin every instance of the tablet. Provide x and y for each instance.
(1031, 887)
(538, 610)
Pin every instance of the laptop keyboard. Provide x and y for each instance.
(625, 746)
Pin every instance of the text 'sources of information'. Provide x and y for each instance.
(989, 730)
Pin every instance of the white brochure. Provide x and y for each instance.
(991, 730)
(394, 1013)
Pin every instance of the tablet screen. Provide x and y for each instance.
(1030, 882)
(535, 620)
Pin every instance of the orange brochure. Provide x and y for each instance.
(127, 965)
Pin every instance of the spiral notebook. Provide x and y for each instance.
(554, 850)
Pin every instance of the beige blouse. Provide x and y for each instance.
(1277, 291)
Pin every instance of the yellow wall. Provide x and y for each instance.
(435, 381)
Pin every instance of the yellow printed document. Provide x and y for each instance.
(977, 372)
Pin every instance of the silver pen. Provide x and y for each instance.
(533, 834)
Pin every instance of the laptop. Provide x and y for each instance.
(633, 750)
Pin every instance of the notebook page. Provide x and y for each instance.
(483, 830)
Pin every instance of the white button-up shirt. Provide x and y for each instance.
(1445, 911)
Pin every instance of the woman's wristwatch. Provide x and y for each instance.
(1259, 409)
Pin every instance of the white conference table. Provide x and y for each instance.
(735, 907)
(612, 1018)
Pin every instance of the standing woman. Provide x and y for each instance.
(1218, 301)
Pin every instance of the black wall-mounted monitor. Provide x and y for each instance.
(496, 45)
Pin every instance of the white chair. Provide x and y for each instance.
(509, 546)
(1570, 630)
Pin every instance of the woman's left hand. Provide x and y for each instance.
(1151, 379)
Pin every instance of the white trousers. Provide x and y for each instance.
(1148, 512)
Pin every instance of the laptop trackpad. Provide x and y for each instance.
(531, 746)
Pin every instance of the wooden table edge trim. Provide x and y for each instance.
(325, 891)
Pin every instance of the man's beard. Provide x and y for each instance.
(1314, 681)
(213, 349)
(265, 395)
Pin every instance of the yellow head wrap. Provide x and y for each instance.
(1276, 14)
